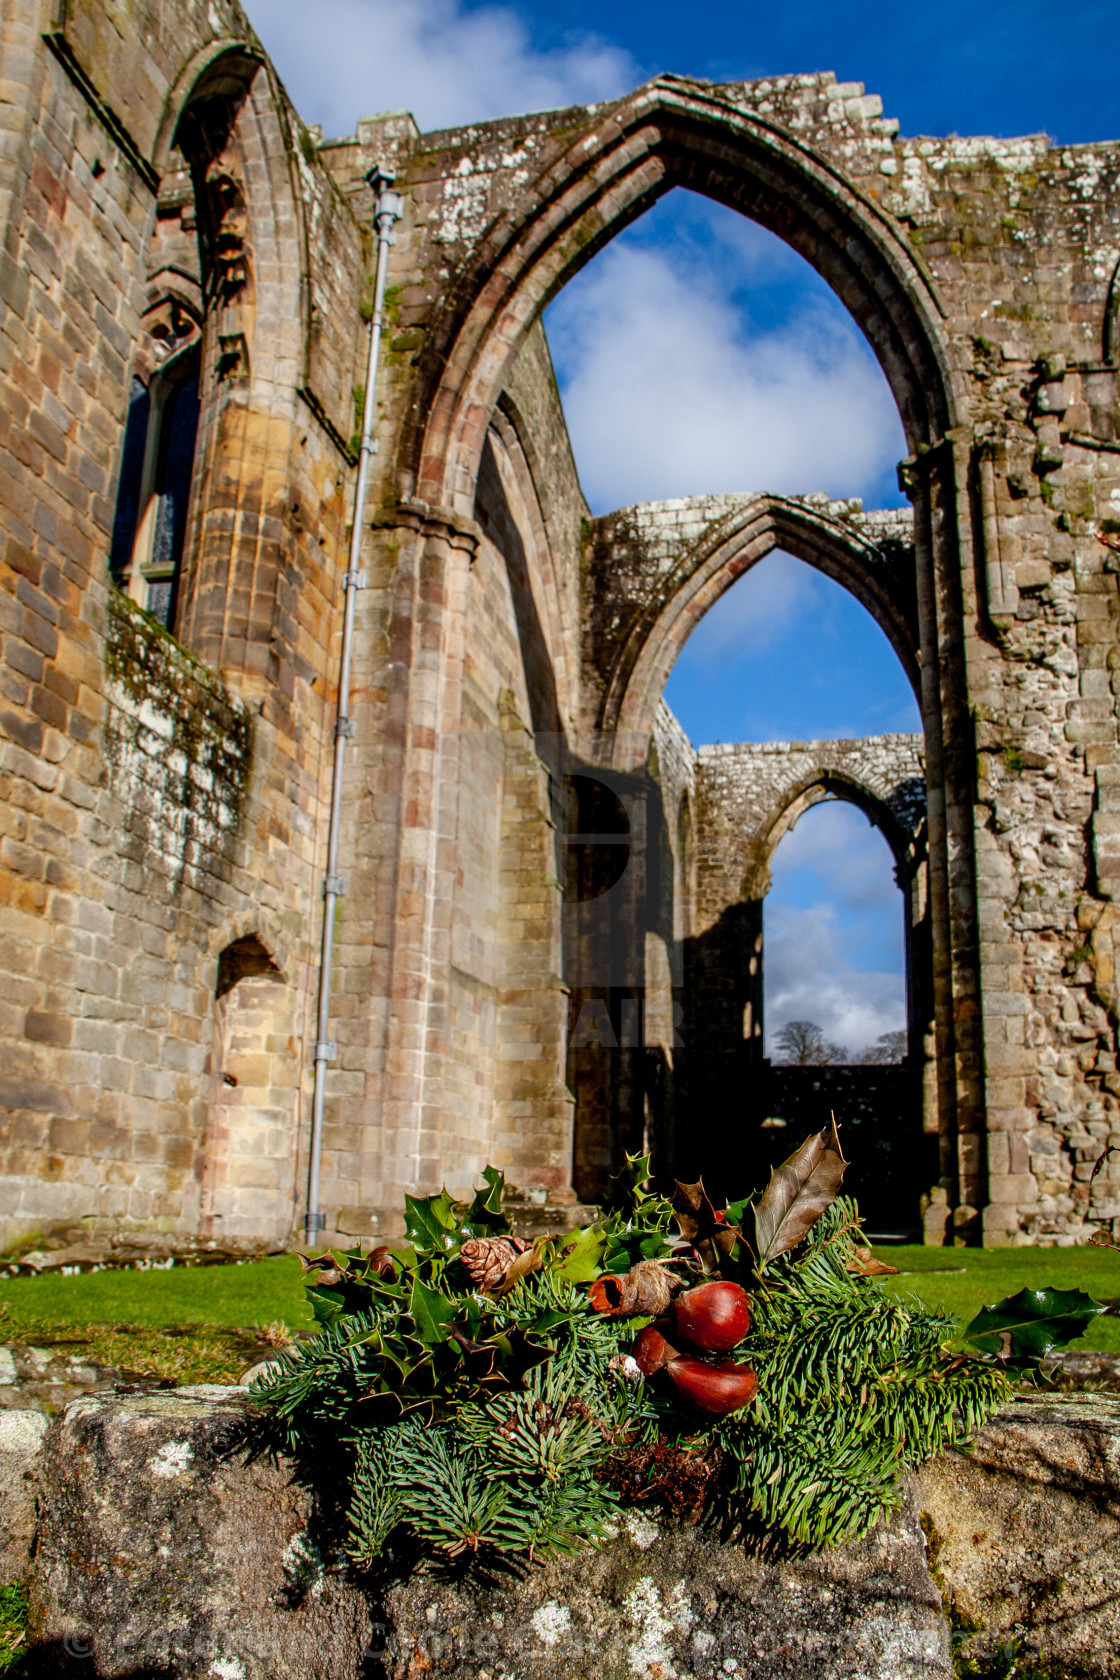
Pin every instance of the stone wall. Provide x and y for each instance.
(505, 640)
(141, 838)
(162, 1544)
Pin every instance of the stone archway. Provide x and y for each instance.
(748, 798)
(655, 570)
(523, 234)
(672, 132)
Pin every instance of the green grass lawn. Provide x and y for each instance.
(256, 1293)
(189, 1324)
(962, 1280)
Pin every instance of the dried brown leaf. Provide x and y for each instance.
(865, 1264)
(529, 1260)
(700, 1221)
(1109, 1149)
(799, 1191)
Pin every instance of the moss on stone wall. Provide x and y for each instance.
(178, 743)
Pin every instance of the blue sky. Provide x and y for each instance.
(698, 354)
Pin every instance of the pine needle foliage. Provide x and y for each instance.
(852, 1387)
(472, 1422)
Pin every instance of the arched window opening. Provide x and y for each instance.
(150, 527)
(700, 354)
(835, 944)
(198, 272)
(248, 1165)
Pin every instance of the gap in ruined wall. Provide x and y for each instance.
(699, 354)
(783, 909)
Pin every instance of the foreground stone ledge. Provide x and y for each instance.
(21, 1451)
(162, 1548)
(1024, 1534)
(665, 1602)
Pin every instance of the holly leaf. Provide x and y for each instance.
(484, 1217)
(431, 1222)
(432, 1313)
(628, 1191)
(737, 1211)
(517, 1353)
(489, 1199)
(799, 1191)
(700, 1221)
(326, 1304)
(1028, 1325)
(581, 1254)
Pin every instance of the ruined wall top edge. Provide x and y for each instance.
(769, 96)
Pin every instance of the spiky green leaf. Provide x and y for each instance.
(431, 1222)
(580, 1255)
(432, 1313)
(1030, 1324)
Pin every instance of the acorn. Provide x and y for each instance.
(717, 1388)
(715, 1316)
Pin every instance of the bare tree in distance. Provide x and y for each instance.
(888, 1047)
(803, 1044)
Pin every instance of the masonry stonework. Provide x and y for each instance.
(171, 234)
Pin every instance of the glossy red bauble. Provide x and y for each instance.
(717, 1389)
(714, 1316)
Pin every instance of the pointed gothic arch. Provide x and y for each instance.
(672, 132)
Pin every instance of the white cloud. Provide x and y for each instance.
(670, 391)
(773, 598)
(837, 960)
(343, 59)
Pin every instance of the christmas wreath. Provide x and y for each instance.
(470, 1390)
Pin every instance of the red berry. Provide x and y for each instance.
(718, 1389)
(714, 1316)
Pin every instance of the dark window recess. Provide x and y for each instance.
(245, 959)
(127, 515)
(178, 431)
(597, 841)
(158, 467)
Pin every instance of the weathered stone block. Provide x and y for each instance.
(162, 1549)
(1024, 1534)
(21, 1449)
(668, 1600)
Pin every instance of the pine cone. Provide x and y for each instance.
(488, 1259)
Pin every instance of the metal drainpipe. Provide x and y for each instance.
(388, 206)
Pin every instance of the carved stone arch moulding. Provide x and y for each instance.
(824, 786)
(1110, 323)
(218, 63)
(669, 133)
(706, 570)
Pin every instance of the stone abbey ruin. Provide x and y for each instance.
(549, 935)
